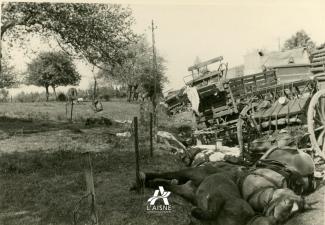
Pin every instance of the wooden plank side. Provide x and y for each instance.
(223, 113)
(237, 92)
(319, 59)
(205, 63)
(219, 109)
(319, 54)
(318, 51)
(318, 69)
(293, 107)
(315, 64)
(279, 87)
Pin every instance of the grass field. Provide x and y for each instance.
(42, 167)
(56, 110)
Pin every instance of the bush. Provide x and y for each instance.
(62, 97)
(30, 97)
(105, 97)
(4, 95)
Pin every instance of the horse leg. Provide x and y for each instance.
(196, 175)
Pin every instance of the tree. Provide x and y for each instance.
(7, 75)
(136, 71)
(149, 80)
(3, 95)
(52, 69)
(98, 32)
(300, 39)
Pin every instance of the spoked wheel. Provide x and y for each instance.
(316, 122)
(247, 130)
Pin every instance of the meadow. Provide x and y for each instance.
(116, 109)
(42, 167)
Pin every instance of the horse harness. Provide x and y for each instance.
(291, 179)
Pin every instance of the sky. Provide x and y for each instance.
(207, 29)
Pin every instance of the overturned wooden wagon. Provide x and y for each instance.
(177, 101)
(297, 104)
(245, 108)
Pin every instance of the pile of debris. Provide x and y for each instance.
(177, 101)
(196, 155)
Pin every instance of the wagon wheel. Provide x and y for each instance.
(247, 129)
(316, 122)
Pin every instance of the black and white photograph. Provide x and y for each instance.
(153, 112)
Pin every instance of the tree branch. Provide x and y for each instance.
(6, 26)
(11, 24)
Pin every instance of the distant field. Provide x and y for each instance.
(56, 110)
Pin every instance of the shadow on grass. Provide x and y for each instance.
(48, 186)
(21, 126)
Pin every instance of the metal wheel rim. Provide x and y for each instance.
(316, 122)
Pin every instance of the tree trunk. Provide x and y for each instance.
(47, 93)
(56, 97)
(95, 89)
(135, 93)
(130, 92)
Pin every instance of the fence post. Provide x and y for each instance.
(71, 110)
(136, 148)
(90, 188)
(151, 135)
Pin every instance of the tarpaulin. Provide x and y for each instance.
(194, 98)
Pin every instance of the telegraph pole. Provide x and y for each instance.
(154, 70)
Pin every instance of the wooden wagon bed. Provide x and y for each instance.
(221, 101)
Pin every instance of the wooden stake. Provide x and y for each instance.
(91, 189)
(71, 111)
(136, 148)
(151, 135)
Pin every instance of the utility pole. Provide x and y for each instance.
(154, 70)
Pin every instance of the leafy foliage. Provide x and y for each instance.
(98, 32)
(137, 69)
(4, 95)
(52, 69)
(299, 39)
(7, 75)
(151, 78)
(30, 97)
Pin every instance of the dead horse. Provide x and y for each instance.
(221, 191)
